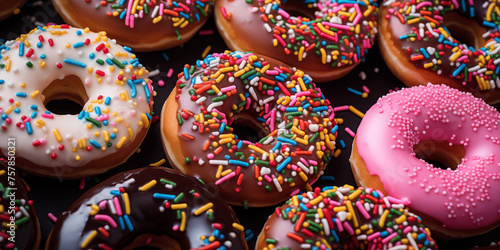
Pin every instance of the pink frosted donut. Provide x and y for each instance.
(407, 129)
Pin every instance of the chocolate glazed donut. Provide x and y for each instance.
(26, 235)
(151, 206)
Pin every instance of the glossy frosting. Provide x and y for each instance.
(295, 123)
(113, 121)
(418, 28)
(460, 199)
(27, 232)
(327, 35)
(344, 218)
(143, 25)
(7, 7)
(152, 200)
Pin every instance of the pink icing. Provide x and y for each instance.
(464, 198)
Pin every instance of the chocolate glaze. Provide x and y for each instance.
(446, 67)
(92, 14)
(74, 225)
(245, 30)
(27, 233)
(286, 220)
(250, 191)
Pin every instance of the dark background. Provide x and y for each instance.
(54, 196)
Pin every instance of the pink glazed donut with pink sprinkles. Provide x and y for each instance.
(438, 148)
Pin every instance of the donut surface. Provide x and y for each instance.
(20, 228)
(326, 39)
(7, 7)
(434, 123)
(294, 122)
(143, 25)
(148, 207)
(104, 79)
(344, 218)
(456, 43)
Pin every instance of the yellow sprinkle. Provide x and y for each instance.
(257, 149)
(351, 211)
(302, 141)
(381, 222)
(206, 51)
(427, 65)
(316, 200)
(414, 20)
(338, 209)
(7, 67)
(10, 110)
(203, 208)
(489, 11)
(401, 219)
(105, 134)
(2, 209)
(57, 135)
(148, 185)
(226, 140)
(303, 176)
(356, 111)
(158, 163)
(323, 55)
(130, 134)
(2, 172)
(455, 56)
(121, 142)
(295, 201)
(325, 30)
(238, 226)
(184, 24)
(178, 206)
(218, 174)
(226, 172)
(354, 194)
(183, 220)
(301, 53)
(127, 203)
(89, 238)
(298, 131)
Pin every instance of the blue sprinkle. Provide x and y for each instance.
(108, 61)
(227, 157)
(184, 15)
(105, 122)
(73, 62)
(112, 136)
(121, 2)
(122, 224)
(286, 140)
(81, 115)
(326, 188)
(239, 163)
(384, 234)
(421, 236)
(122, 15)
(306, 106)
(146, 89)
(21, 49)
(320, 108)
(79, 32)
(327, 178)
(222, 127)
(114, 192)
(129, 223)
(17, 111)
(4, 117)
(95, 144)
(458, 70)
(107, 101)
(303, 207)
(21, 94)
(335, 128)
(97, 110)
(78, 45)
(424, 52)
(283, 164)
(39, 44)
(240, 143)
(133, 92)
(200, 3)
(127, 48)
(33, 115)
(186, 73)
(356, 92)
(43, 56)
(291, 109)
(91, 55)
(28, 128)
(163, 196)
(335, 236)
(280, 79)
(165, 56)
(261, 119)
(277, 146)
(342, 143)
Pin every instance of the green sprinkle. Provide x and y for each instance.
(168, 182)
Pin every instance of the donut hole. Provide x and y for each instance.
(440, 153)
(470, 34)
(149, 241)
(65, 96)
(298, 9)
(249, 130)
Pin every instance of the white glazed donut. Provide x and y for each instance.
(61, 62)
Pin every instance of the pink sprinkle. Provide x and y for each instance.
(161, 83)
(348, 228)
(350, 132)
(48, 116)
(106, 218)
(224, 13)
(102, 204)
(341, 108)
(388, 238)
(366, 89)
(398, 201)
(82, 183)
(225, 178)
(210, 156)
(373, 236)
(315, 163)
(206, 32)
(170, 72)
(175, 227)
(117, 206)
(228, 88)
(268, 179)
(52, 217)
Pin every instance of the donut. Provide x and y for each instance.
(151, 207)
(293, 122)
(9, 7)
(142, 25)
(20, 228)
(326, 38)
(437, 147)
(106, 82)
(344, 218)
(427, 41)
